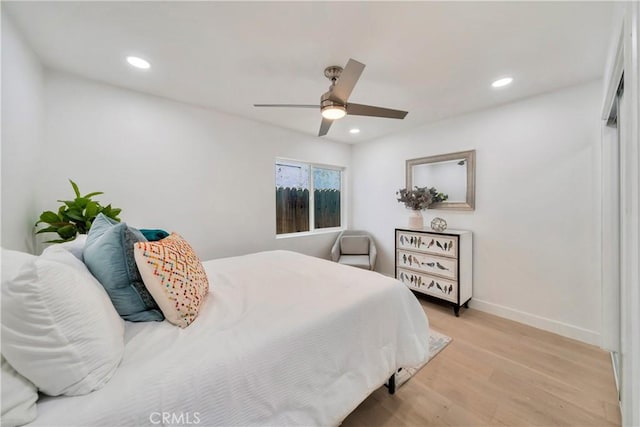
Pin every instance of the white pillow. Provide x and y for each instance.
(59, 328)
(19, 398)
(76, 246)
(12, 261)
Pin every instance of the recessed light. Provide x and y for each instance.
(502, 82)
(354, 131)
(134, 61)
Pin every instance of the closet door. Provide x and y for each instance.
(611, 236)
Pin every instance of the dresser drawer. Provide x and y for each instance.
(428, 243)
(430, 285)
(430, 264)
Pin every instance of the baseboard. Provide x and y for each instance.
(560, 328)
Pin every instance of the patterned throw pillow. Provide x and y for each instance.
(174, 276)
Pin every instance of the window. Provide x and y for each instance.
(308, 197)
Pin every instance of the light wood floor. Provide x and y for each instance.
(499, 373)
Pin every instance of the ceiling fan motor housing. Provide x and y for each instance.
(327, 100)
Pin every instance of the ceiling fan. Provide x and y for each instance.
(333, 103)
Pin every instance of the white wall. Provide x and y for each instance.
(204, 174)
(22, 116)
(537, 218)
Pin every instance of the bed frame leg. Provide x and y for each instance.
(392, 384)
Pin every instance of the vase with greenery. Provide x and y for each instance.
(418, 199)
(75, 216)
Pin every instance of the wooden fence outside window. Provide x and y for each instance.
(292, 209)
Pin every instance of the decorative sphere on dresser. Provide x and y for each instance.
(438, 224)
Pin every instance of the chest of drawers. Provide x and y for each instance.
(438, 264)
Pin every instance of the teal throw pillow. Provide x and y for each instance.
(109, 256)
(154, 235)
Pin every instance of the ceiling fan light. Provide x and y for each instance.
(333, 112)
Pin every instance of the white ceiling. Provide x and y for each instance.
(434, 59)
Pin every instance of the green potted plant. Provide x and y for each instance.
(75, 216)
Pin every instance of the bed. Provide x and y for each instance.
(281, 339)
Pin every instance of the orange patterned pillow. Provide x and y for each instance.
(174, 276)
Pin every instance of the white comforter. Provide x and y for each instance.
(282, 339)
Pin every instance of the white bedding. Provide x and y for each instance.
(282, 339)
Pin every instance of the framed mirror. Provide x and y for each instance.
(453, 174)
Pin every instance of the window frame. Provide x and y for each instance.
(312, 229)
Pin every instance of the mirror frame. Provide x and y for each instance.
(470, 156)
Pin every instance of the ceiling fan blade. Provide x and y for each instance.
(324, 126)
(347, 80)
(370, 110)
(287, 105)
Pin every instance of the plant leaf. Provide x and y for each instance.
(115, 212)
(74, 214)
(59, 224)
(75, 188)
(90, 195)
(47, 230)
(68, 231)
(91, 210)
(81, 202)
(49, 217)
